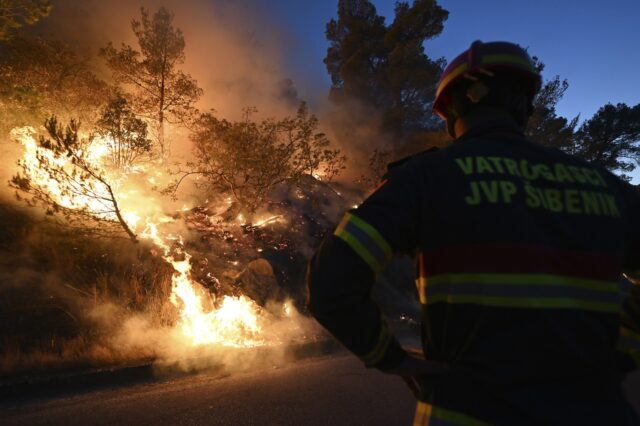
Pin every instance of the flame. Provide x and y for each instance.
(268, 220)
(234, 321)
(65, 198)
(231, 321)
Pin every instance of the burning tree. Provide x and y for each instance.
(248, 158)
(164, 93)
(125, 135)
(61, 173)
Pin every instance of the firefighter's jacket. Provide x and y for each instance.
(520, 250)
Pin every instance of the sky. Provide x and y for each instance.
(592, 43)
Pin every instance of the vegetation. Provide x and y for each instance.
(55, 272)
(40, 78)
(124, 133)
(611, 138)
(15, 14)
(63, 291)
(69, 183)
(163, 92)
(249, 158)
(385, 67)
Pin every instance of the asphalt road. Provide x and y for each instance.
(331, 390)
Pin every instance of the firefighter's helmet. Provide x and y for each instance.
(486, 59)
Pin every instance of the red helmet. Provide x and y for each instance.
(483, 59)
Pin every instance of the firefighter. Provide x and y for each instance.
(520, 250)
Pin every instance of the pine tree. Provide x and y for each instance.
(164, 93)
(385, 68)
(611, 138)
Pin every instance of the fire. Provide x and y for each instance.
(234, 321)
(268, 220)
(69, 198)
(231, 321)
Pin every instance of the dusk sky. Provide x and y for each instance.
(591, 43)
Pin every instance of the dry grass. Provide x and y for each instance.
(54, 286)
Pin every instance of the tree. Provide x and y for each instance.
(385, 67)
(59, 174)
(40, 78)
(124, 134)
(248, 158)
(545, 126)
(164, 93)
(611, 138)
(14, 14)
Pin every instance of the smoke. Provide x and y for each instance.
(236, 51)
(232, 48)
(281, 326)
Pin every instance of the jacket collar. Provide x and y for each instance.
(493, 125)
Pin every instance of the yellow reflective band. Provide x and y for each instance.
(529, 302)
(426, 412)
(526, 279)
(627, 332)
(629, 340)
(422, 414)
(359, 249)
(421, 284)
(629, 343)
(378, 352)
(460, 69)
(502, 58)
(365, 240)
(372, 232)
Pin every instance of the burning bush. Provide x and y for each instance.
(125, 134)
(248, 158)
(60, 173)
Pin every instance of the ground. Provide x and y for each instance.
(330, 390)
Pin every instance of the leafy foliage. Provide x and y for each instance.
(611, 138)
(248, 158)
(378, 162)
(63, 178)
(163, 91)
(385, 67)
(545, 126)
(40, 78)
(14, 14)
(125, 135)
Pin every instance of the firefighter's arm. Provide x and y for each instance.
(629, 339)
(343, 270)
(339, 282)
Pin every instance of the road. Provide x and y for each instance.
(330, 390)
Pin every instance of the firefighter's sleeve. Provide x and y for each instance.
(632, 258)
(343, 270)
(629, 339)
